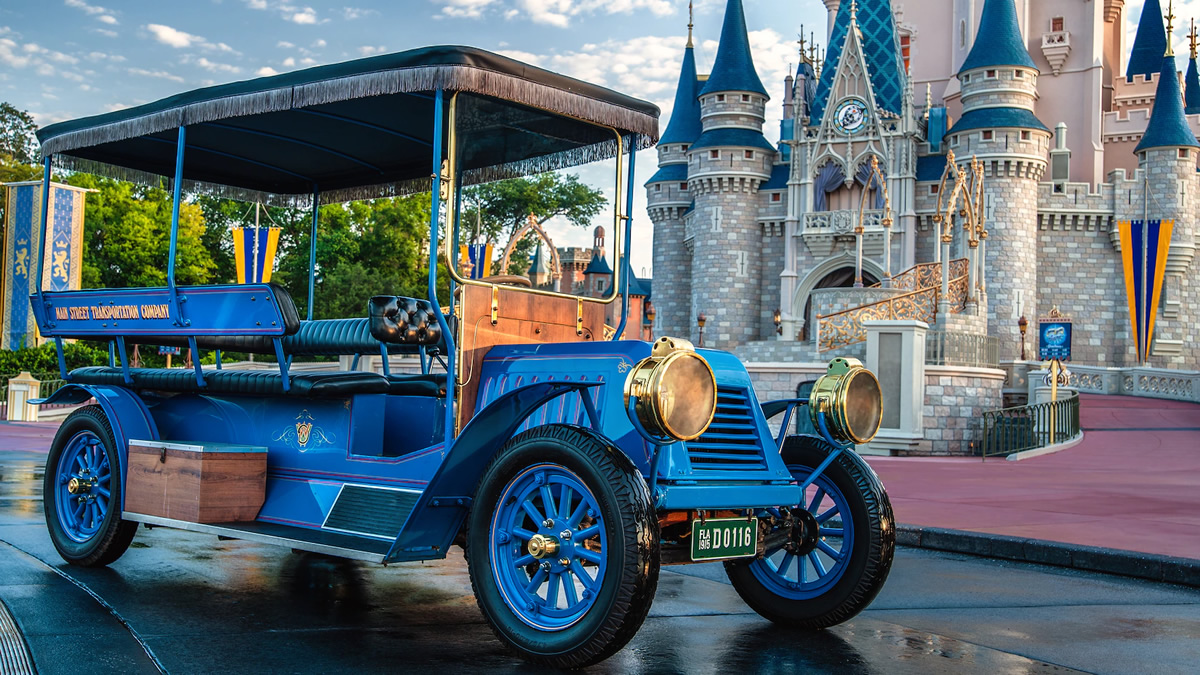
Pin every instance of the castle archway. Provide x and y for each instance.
(835, 272)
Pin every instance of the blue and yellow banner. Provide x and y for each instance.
(478, 259)
(1144, 248)
(254, 252)
(22, 236)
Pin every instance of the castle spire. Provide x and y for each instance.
(1150, 43)
(690, 17)
(1170, 26)
(1191, 96)
(685, 114)
(876, 28)
(733, 69)
(1168, 127)
(999, 41)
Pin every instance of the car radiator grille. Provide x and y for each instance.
(731, 441)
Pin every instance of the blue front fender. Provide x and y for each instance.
(439, 512)
(128, 415)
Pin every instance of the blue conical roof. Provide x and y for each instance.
(597, 265)
(881, 49)
(998, 41)
(733, 70)
(1150, 43)
(685, 115)
(1191, 96)
(1168, 127)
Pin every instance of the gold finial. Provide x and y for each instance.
(689, 44)
(802, 43)
(1170, 26)
(1192, 38)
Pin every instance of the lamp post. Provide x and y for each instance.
(778, 323)
(700, 321)
(650, 314)
(1022, 324)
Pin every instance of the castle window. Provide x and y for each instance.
(1056, 24)
(1183, 153)
(683, 186)
(966, 79)
(954, 140)
(683, 148)
(987, 135)
(658, 187)
(749, 154)
(776, 197)
(1026, 135)
(720, 98)
(933, 189)
(714, 154)
(745, 98)
(991, 74)
(962, 34)
(1018, 74)
(905, 49)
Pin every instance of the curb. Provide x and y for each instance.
(1169, 569)
(1047, 450)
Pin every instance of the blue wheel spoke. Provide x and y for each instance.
(569, 588)
(102, 491)
(552, 592)
(524, 560)
(564, 501)
(816, 563)
(816, 500)
(81, 461)
(803, 574)
(532, 511)
(536, 582)
(786, 565)
(829, 550)
(578, 514)
(833, 510)
(548, 501)
(590, 556)
(581, 574)
(587, 532)
(831, 532)
(77, 513)
(522, 533)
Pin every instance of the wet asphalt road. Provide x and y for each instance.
(196, 604)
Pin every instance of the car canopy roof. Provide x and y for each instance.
(358, 129)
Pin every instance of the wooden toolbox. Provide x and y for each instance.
(195, 481)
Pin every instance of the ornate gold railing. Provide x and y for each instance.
(845, 328)
(925, 275)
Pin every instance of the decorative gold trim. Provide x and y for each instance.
(831, 395)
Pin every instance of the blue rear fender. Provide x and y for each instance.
(128, 415)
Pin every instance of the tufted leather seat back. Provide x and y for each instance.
(400, 320)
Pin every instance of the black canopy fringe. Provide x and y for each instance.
(409, 80)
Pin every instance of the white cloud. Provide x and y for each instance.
(559, 12)
(45, 69)
(305, 16)
(368, 50)
(104, 56)
(283, 44)
(352, 13)
(319, 44)
(74, 77)
(551, 12)
(463, 9)
(113, 107)
(172, 37)
(527, 57)
(211, 66)
(159, 74)
(256, 4)
(266, 71)
(88, 9)
(289, 62)
(108, 19)
(105, 32)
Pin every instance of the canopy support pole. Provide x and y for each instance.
(434, 211)
(312, 251)
(45, 224)
(623, 259)
(177, 188)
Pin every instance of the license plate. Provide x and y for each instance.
(722, 538)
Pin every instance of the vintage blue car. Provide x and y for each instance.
(569, 463)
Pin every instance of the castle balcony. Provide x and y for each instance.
(823, 229)
(1056, 47)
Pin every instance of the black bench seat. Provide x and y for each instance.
(265, 382)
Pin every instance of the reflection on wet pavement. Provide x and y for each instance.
(202, 604)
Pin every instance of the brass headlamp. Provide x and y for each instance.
(674, 391)
(851, 399)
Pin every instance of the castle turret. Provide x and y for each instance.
(597, 276)
(667, 198)
(1167, 160)
(1191, 95)
(998, 127)
(726, 166)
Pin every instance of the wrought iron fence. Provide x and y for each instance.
(1029, 427)
(49, 383)
(952, 348)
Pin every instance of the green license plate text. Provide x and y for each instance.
(721, 538)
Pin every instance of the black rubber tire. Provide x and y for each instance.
(633, 547)
(114, 535)
(871, 554)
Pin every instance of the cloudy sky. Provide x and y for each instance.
(62, 59)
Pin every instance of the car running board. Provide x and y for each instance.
(299, 538)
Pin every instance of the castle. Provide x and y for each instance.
(1070, 132)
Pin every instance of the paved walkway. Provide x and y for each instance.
(1133, 483)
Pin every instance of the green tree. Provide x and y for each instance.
(18, 139)
(127, 236)
(504, 206)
